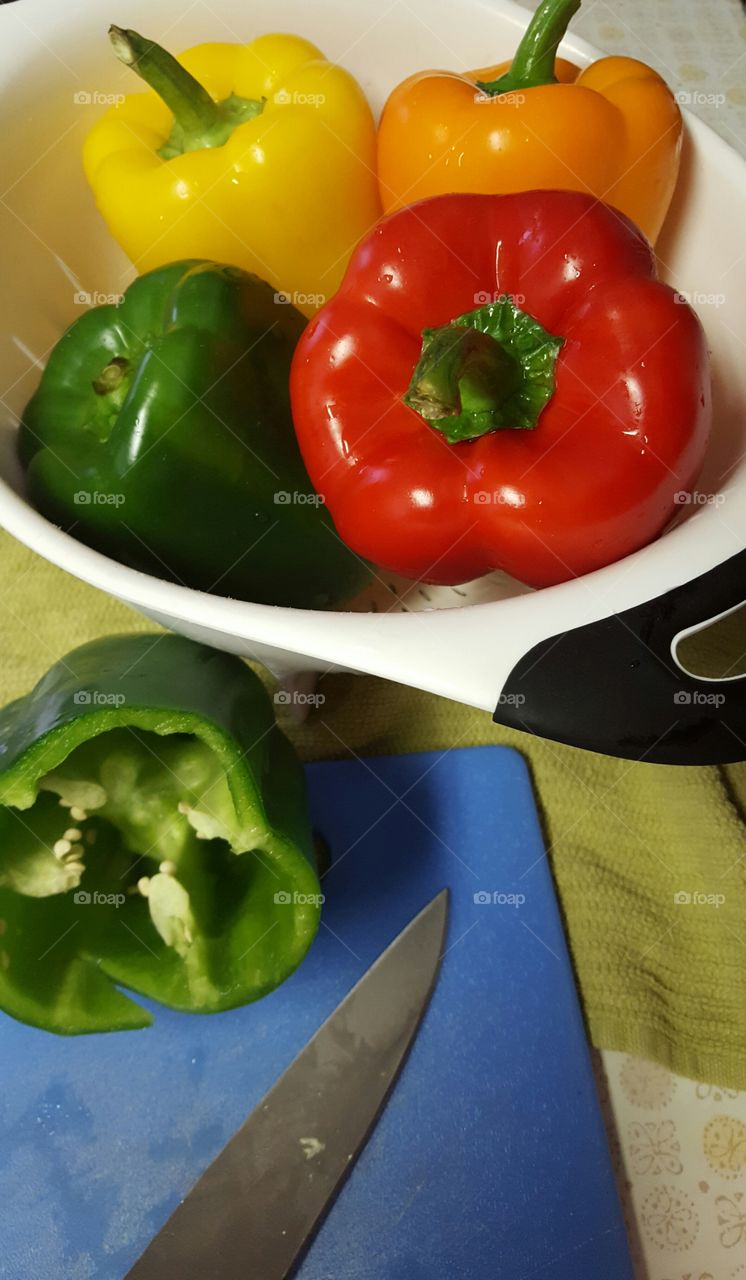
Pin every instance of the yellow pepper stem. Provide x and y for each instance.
(199, 121)
(535, 56)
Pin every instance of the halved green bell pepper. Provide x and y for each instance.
(153, 833)
(161, 434)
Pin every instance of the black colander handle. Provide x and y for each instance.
(613, 686)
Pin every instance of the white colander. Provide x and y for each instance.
(560, 661)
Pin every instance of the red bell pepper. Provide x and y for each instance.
(502, 383)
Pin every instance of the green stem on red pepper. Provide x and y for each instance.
(488, 370)
(461, 371)
(199, 121)
(535, 57)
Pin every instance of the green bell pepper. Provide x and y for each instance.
(161, 434)
(154, 834)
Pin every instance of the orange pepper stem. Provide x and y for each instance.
(535, 56)
(199, 121)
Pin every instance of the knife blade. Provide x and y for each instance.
(254, 1210)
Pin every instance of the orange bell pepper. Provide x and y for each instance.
(613, 130)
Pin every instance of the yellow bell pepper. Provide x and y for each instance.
(259, 155)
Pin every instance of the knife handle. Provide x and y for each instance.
(614, 685)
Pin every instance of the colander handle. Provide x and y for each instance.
(613, 685)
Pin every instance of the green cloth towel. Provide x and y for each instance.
(657, 978)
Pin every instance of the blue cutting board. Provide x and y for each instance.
(490, 1159)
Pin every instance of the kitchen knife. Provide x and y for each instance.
(254, 1210)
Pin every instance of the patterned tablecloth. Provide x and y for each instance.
(680, 1152)
(680, 1147)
